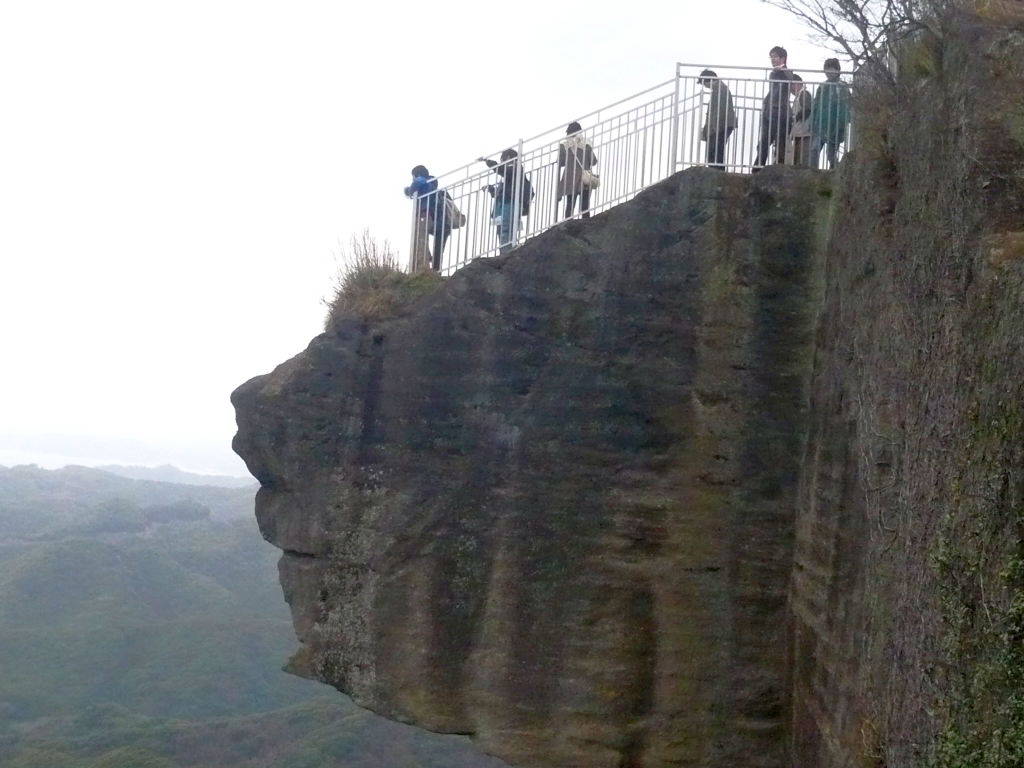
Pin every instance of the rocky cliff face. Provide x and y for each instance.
(908, 593)
(732, 475)
(554, 508)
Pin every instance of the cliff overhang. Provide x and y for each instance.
(554, 507)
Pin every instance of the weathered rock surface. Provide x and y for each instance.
(905, 599)
(554, 508)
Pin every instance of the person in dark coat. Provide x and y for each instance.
(431, 218)
(577, 159)
(775, 111)
(507, 209)
(721, 121)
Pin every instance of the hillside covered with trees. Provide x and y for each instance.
(142, 625)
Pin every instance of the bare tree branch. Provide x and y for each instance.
(865, 31)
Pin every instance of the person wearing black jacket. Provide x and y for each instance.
(721, 120)
(775, 111)
(506, 208)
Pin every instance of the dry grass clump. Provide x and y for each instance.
(370, 284)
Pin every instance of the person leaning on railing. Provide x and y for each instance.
(431, 218)
(830, 114)
(576, 156)
(775, 110)
(507, 209)
(721, 121)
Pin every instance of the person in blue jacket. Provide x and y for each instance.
(431, 217)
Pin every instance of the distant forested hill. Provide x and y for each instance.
(141, 624)
(171, 474)
(29, 495)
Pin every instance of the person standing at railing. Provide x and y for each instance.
(775, 110)
(721, 121)
(576, 156)
(800, 124)
(508, 209)
(830, 114)
(433, 217)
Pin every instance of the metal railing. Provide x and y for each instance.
(737, 121)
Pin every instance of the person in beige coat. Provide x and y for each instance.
(577, 159)
(721, 120)
(800, 127)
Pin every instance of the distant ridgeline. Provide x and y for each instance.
(65, 494)
(171, 474)
(141, 625)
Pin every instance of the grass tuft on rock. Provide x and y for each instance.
(370, 284)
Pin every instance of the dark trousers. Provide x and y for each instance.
(716, 148)
(441, 235)
(774, 130)
(570, 203)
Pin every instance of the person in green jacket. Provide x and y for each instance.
(830, 114)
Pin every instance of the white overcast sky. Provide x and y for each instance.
(175, 177)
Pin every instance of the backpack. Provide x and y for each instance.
(453, 215)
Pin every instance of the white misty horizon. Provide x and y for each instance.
(54, 451)
(178, 176)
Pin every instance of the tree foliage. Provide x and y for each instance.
(161, 646)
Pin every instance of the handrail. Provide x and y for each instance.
(597, 112)
(649, 136)
(738, 67)
(561, 126)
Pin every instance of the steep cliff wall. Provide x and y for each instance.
(554, 508)
(908, 590)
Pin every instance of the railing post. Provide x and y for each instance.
(674, 155)
(412, 235)
(517, 199)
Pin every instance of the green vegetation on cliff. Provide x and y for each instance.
(980, 564)
(371, 284)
